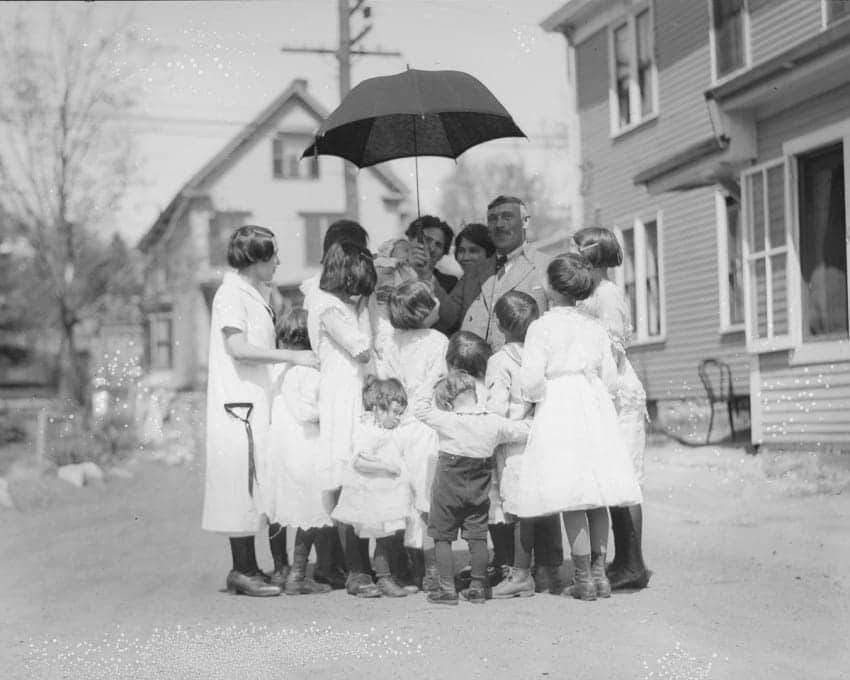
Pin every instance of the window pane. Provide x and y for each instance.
(836, 9)
(653, 293)
(823, 252)
(735, 261)
(776, 205)
(778, 277)
(644, 65)
(760, 302)
(277, 158)
(629, 270)
(756, 184)
(160, 329)
(728, 35)
(622, 52)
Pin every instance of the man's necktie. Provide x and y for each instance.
(500, 264)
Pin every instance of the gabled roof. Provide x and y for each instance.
(296, 92)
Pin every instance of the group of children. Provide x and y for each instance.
(406, 437)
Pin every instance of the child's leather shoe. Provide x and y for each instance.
(442, 596)
(518, 584)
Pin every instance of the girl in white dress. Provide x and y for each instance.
(294, 438)
(376, 494)
(415, 354)
(610, 306)
(575, 461)
(344, 346)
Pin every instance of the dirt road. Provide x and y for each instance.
(751, 562)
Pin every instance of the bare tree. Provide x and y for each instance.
(64, 163)
(466, 193)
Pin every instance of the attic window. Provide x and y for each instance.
(286, 157)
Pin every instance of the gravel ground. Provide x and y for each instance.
(751, 561)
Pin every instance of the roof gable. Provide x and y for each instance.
(294, 95)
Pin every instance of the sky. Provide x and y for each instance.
(214, 65)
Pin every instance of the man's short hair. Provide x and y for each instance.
(500, 199)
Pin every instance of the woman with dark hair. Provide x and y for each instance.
(241, 351)
(435, 237)
(473, 244)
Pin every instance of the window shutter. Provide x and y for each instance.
(768, 264)
(313, 236)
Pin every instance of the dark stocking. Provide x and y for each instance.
(385, 555)
(620, 522)
(478, 558)
(446, 564)
(523, 543)
(502, 536)
(277, 545)
(242, 551)
(352, 550)
(326, 540)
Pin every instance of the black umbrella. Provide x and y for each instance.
(412, 113)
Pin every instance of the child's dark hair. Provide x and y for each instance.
(468, 352)
(250, 244)
(515, 311)
(291, 330)
(571, 275)
(344, 230)
(410, 303)
(379, 393)
(348, 270)
(447, 389)
(600, 246)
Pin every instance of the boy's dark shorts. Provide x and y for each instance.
(460, 498)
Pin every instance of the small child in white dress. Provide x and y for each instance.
(575, 461)
(609, 305)
(376, 495)
(415, 354)
(294, 436)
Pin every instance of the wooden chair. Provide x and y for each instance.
(718, 391)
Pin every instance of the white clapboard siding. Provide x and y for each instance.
(775, 25)
(689, 236)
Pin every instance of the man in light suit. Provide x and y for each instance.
(515, 266)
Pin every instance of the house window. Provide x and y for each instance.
(286, 157)
(766, 257)
(160, 342)
(641, 278)
(222, 225)
(835, 10)
(823, 238)
(315, 226)
(730, 261)
(633, 72)
(729, 35)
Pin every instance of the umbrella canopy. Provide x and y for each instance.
(413, 113)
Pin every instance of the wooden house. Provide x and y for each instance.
(714, 136)
(258, 178)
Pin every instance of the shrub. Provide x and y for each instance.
(11, 430)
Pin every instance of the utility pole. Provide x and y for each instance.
(343, 53)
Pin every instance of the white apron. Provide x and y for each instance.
(229, 507)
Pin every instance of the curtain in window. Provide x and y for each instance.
(735, 261)
(644, 63)
(622, 50)
(629, 277)
(823, 253)
(653, 293)
(836, 9)
(728, 35)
